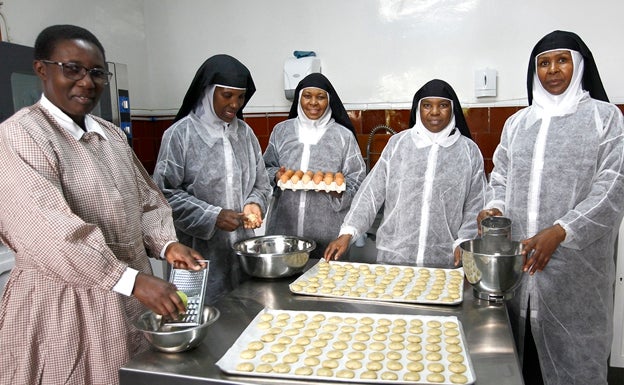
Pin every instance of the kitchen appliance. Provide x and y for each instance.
(274, 256)
(494, 269)
(21, 87)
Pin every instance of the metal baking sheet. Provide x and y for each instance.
(283, 344)
(375, 282)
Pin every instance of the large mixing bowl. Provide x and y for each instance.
(174, 339)
(493, 268)
(274, 256)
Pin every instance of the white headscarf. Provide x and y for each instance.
(311, 131)
(425, 138)
(558, 105)
(205, 109)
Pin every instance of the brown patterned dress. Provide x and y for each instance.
(76, 213)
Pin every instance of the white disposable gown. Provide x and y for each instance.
(311, 214)
(431, 196)
(202, 169)
(568, 172)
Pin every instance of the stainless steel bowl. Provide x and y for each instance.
(494, 269)
(274, 256)
(174, 339)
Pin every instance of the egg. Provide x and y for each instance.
(299, 173)
(306, 178)
(317, 178)
(339, 178)
(328, 178)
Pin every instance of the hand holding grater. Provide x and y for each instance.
(193, 284)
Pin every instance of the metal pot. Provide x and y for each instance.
(274, 256)
(494, 269)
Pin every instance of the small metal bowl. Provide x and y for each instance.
(274, 256)
(174, 339)
(493, 266)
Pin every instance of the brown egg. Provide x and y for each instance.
(310, 173)
(295, 178)
(306, 178)
(299, 173)
(328, 178)
(289, 173)
(318, 177)
(339, 178)
(284, 178)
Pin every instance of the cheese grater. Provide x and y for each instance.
(193, 284)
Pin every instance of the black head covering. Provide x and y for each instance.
(437, 88)
(318, 80)
(219, 69)
(568, 40)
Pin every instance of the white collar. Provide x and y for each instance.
(68, 124)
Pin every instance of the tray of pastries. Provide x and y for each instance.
(375, 282)
(310, 180)
(351, 347)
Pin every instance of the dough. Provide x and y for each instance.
(281, 368)
(435, 377)
(345, 373)
(255, 345)
(458, 378)
(324, 372)
(456, 367)
(435, 368)
(355, 355)
(264, 368)
(268, 357)
(245, 367)
(434, 356)
(304, 371)
(415, 366)
(311, 361)
(394, 365)
(290, 358)
(455, 357)
(248, 354)
(411, 376)
(389, 376)
(376, 356)
(336, 354)
(353, 364)
(414, 356)
(368, 375)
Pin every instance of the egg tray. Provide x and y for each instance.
(322, 186)
(351, 347)
(407, 284)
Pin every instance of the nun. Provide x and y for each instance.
(431, 182)
(318, 136)
(211, 171)
(558, 174)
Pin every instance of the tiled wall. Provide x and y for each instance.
(486, 124)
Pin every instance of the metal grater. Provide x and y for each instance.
(193, 284)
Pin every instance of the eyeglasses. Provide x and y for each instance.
(75, 71)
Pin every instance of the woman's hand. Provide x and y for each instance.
(337, 247)
(229, 220)
(538, 249)
(252, 216)
(457, 255)
(157, 295)
(485, 214)
(183, 257)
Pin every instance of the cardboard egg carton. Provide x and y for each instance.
(298, 181)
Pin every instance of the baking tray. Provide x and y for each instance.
(303, 344)
(408, 284)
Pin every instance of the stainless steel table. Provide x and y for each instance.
(486, 328)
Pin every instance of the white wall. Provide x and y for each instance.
(376, 52)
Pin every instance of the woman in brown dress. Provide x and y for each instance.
(82, 215)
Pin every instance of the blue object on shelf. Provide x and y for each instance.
(300, 54)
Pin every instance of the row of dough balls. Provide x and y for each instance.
(381, 282)
(294, 348)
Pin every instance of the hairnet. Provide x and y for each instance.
(219, 69)
(568, 40)
(318, 80)
(440, 89)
